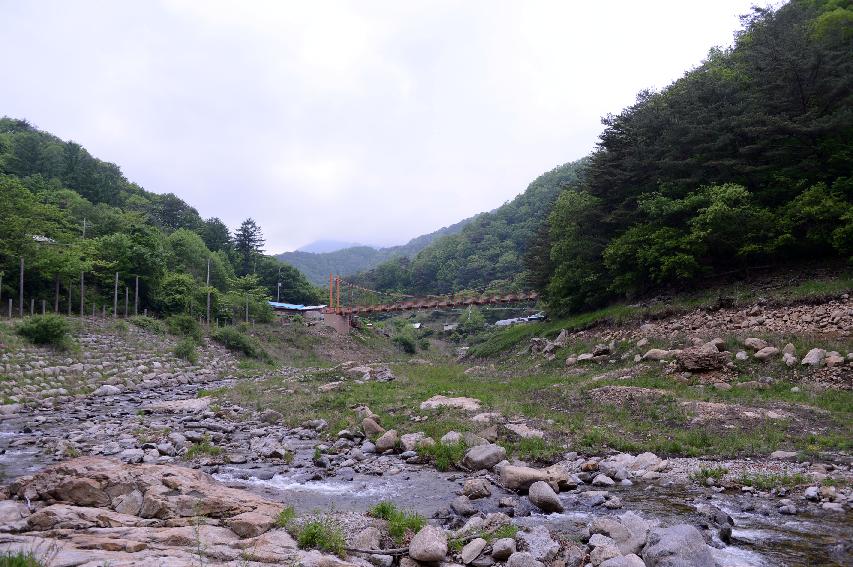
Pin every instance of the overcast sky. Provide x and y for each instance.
(366, 121)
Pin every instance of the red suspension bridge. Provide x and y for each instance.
(361, 301)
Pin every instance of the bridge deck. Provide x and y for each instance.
(434, 304)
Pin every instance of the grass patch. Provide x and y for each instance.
(285, 516)
(323, 534)
(401, 525)
(535, 449)
(762, 481)
(149, 324)
(444, 456)
(704, 473)
(20, 559)
(204, 447)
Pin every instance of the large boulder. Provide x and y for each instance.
(429, 545)
(543, 496)
(677, 546)
(484, 456)
(168, 491)
(701, 359)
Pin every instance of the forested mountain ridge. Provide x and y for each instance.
(66, 213)
(488, 251)
(318, 266)
(744, 161)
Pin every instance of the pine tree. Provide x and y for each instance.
(249, 242)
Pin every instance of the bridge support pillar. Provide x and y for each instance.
(340, 323)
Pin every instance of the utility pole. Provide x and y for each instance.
(278, 287)
(126, 300)
(115, 298)
(21, 290)
(247, 308)
(331, 290)
(208, 292)
(136, 299)
(84, 228)
(82, 295)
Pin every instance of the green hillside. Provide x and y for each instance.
(488, 251)
(65, 212)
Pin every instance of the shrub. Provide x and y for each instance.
(322, 534)
(406, 343)
(185, 349)
(234, 340)
(45, 330)
(149, 324)
(184, 326)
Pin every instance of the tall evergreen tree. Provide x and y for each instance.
(249, 243)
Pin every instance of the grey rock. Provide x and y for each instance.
(476, 488)
(677, 546)
(539, 543)
(428, 545)
(484, 456)
(814, 357)
(472, 550)
(502, 548)
(523, 559)
(462, 506)
(543, 496)
(387, 441)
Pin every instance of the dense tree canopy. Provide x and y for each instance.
(743, 161)
(51, 189)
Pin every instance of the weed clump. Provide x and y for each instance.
(402, 525)
(704, 473)
(148, 324)
(46, 330)
(204, 447)
(444, 455)
(322, 534)
(186, 349)
(287, 515)
(234, 340)
(184, 326)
